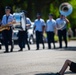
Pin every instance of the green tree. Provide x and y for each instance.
(43, 6)
(72, 17)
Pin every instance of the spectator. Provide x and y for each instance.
(68, 63)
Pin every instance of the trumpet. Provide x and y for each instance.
(65, 9)
(5, 27)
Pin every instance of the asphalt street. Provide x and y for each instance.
(36, 62)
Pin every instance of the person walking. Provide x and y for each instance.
(0, 33)
(50, 28)
(7, 34)
(39, 26)
(62, 29)
(23, 34)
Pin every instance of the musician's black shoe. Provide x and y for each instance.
(29, 48)
(43, 47)
(6, 51)
(0, 47)
(11, 49)
(37, 49)
(49, 48)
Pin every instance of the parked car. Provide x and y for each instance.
(31, 35)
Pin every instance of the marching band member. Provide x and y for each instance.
(39, 26)
(0, 33)
(62, 25)
(7, 34)
(50, 28)
(23, 34)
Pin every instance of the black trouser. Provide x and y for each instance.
(62, 33)
(73, 67)
(0, 41)
(23, 39)
(7, 38)
(50, 38)
(39, 39)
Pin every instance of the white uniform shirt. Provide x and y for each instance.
(39, 24)
(60, 21)
(10, 19)
(28, 21)
(50, 25)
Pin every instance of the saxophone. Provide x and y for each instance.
(5, 27)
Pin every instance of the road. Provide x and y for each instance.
(36, 62)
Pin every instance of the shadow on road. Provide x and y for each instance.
(67, 49)
(45, 74)
(32, 73)
(68, 72)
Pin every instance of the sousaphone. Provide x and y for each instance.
(65, 9)
(20, 20)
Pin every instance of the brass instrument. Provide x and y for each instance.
(20, 20)
(5, 27)
(65, 9)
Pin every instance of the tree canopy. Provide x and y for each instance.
(43, 6)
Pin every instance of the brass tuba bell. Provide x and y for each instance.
(65, 9)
